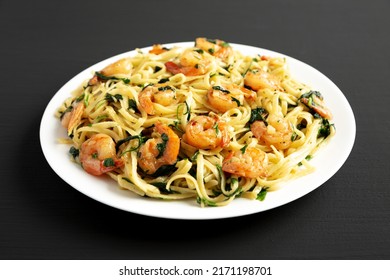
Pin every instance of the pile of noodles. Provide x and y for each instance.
(112, 107)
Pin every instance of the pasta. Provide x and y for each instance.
(205, 122)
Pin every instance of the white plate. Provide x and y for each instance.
(327, 162)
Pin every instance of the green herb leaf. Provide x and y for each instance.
(146, 85)
(237, 101)
(100, 118)
(213, 41)
(106, 78)
(74, 152)
(216, 128)
(175, 125)
(164, 137)
(262, 194)
(108, 162)
(68, 109)
(308, 157)
(127, 180)
(164, 80)
(243, 149)
(188, 111)
(258, 114)
(113, 98)
(205, 201)
(140, 139)
(220, 171)
(81, 97)
(161, 146)
(325, 129)
(221, 89)
(133, 105)
(294, 136)
(165, 88)
(194, 156)
(311, 94)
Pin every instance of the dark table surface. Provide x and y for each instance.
(45, 43)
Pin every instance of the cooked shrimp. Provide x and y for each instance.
(98, 155)
(277, 132)
(251, 163)
(164, 95)
(205, 132)
(71, 119)
(217, 48)
(158, 49)
(193, 62)
(314, 101)
(160, 150)
(225, 98)
(122, 66)
(260, 79)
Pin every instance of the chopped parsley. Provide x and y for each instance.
(106, 78)
(243, 149)
(294, 136)
(68, 109)
(325, 128)
(204, 201)
(194, 156)
(308, 157)
(127, 180)
(165, 88)
(113, 98)
(213, 41)
(262, 194)
(216, 128)
(310, 95)
(221, 89)
(175, 125)
(161, 146)
(133, 105)
(140, 139)
(188, 111)
(74, 152)
(220, 171)
(237, 101)
(108, 162)
(163, 80)
(258, 114)
(100, 118)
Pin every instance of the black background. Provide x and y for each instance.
(45, 43)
